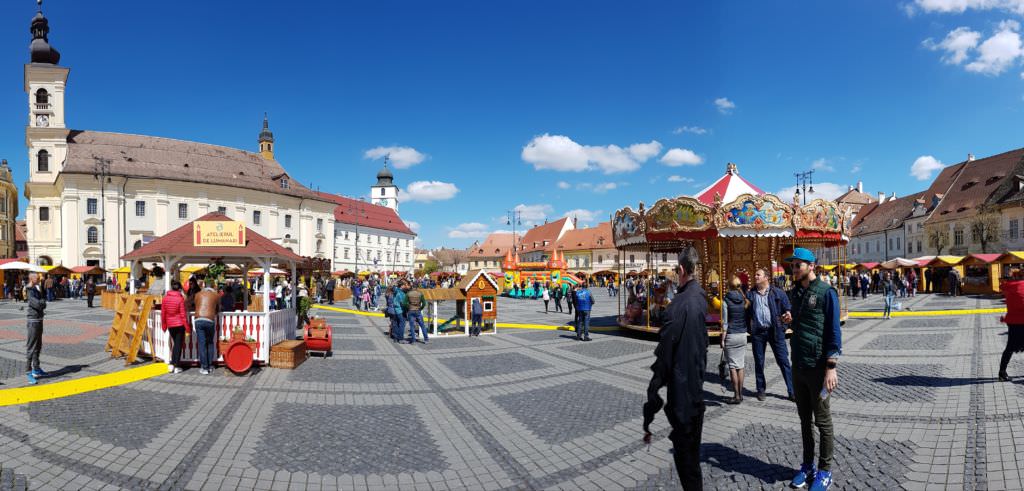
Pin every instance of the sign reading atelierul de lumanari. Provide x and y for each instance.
(218, 234)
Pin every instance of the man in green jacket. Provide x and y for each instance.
(816, 345)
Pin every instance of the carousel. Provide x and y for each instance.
(735, 229)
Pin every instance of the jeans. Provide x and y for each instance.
(760, 340)
(33, 344)
(177, 343)
(205, 336)
(888, 304)
(583, 324)
(416, 317)
(807, 384)
(477, 323)
(398, 326)
(686, 446)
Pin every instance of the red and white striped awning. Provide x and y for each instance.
(728, 188)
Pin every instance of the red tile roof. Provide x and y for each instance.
(369, 215)
(19, 231)
(495, 245)
(877, 217)
(179, 242)
(596, 237)
(541, 233)
(972, 187)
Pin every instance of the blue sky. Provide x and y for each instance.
(556, 107)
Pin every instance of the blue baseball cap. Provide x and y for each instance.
(801, 254)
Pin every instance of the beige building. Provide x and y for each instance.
(94, 196)
(8, 212)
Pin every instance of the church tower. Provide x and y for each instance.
(385, 193)
(266, 140)
(45, 132)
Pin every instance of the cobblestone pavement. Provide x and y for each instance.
(918, 408)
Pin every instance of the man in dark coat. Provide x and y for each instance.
(681, 359)
(329, 293)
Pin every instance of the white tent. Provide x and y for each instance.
(898, 262)
(20, 266)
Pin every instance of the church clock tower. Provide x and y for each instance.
(385, 193)
(45, 132)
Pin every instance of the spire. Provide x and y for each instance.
(40, 50)
(385, 177)
(266, 140)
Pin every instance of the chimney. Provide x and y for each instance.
(860, 186)
(881, 197)
(893, 196)
(849, 188)
(970, 157)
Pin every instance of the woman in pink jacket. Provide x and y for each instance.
(174, 319)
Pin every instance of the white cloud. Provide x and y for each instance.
(959, 6)
(585, 216)
(414, 226)
(604, 187)
(427, 191)
(992, 56)
(534, 213)
(823, 190)
(855, 169)
(822, 164)
(564, 185)
(561, 153)
(998, 52)
(400, 157)
(471, 230)
(724, 105)
(679, 179)
(680, 156)
(923, 167)
(696, 130)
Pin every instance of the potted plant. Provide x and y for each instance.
(317, 327)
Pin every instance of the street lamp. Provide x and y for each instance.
(804, 179)
(101, 172)
(356, 208)
(514, 217)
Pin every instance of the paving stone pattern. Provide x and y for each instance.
(456, 343)
(347, 439)
(11, 368)
(911, 342)
(492, 364)
(337, 370)
(605, 350)
(71, 351)
(140, 414)
(565, 412)
(930, 322)
(904, 382)
(353, 344)
(9, 481)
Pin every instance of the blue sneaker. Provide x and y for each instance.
(31, 379)
(822, 481)
(805, 476)
(39, 373)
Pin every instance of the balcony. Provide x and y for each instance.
(42, 106)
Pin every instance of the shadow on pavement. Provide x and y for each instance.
(65, 371)
(729, 460)
(928, 381)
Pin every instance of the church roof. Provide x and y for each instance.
(151, 157)
(369, 215)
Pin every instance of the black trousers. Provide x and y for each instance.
(33, 344)
(88, 299)
(686, 447)
(814, 412)
(177, 343)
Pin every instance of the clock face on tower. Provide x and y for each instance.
(42, 120)
(382, 202)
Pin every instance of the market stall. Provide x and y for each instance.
(940, 268)
(1010, 263)
(981, 274)
(215, 239)
(734, 227)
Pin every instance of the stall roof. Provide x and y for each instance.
(946, 261)
(87, 270)
(1011, 257)
(442, 294)
(58, 269)
(983, 258)
(179, 242)
(868, 265)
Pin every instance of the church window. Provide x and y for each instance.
(287, 221)
(44, 213)
(43, 158)
(382, 191)
(183, 211)
(256, 217)
(42, 96)
(319, 224)
(346, 253)
(223, 210)
(319, 245)
(140, 208)
(90, 206)
(92, 235)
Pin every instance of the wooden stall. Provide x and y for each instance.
(1010, 262)
(941, 266)
(477, 284)
(981, 274)
(453, 326)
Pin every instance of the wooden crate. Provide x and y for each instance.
(288, 354)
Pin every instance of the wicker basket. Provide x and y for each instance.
(288, 354)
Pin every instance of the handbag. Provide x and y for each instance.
(723, 371)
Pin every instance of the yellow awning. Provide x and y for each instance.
(948, 260)
(1012, 257)
(192, 268)
(122, 269)
(828, 267)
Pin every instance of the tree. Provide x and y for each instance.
(430, 266)
(985, 226)
(938, 236)
(451, 257)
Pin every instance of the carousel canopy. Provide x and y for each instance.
(728, 187)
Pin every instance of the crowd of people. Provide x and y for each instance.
(579, 302)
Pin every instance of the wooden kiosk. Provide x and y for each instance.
(981, 274)
(478, 284)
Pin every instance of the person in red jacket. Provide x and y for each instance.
(174, 319)
(1014, 319)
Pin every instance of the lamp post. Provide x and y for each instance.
(513, 217)
(356, 208)
(101, 172)
(804, 179)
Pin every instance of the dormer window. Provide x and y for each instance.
(992, 180)
(284, 182)
(968, 185)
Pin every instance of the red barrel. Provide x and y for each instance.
(238, 357)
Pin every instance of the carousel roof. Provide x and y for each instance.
(728, 187)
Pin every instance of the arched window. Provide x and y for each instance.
(138, 244)
(43, 160)
(319, 245)
(45, 261)
(382, 191)
(42, 96)
(92, 235)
